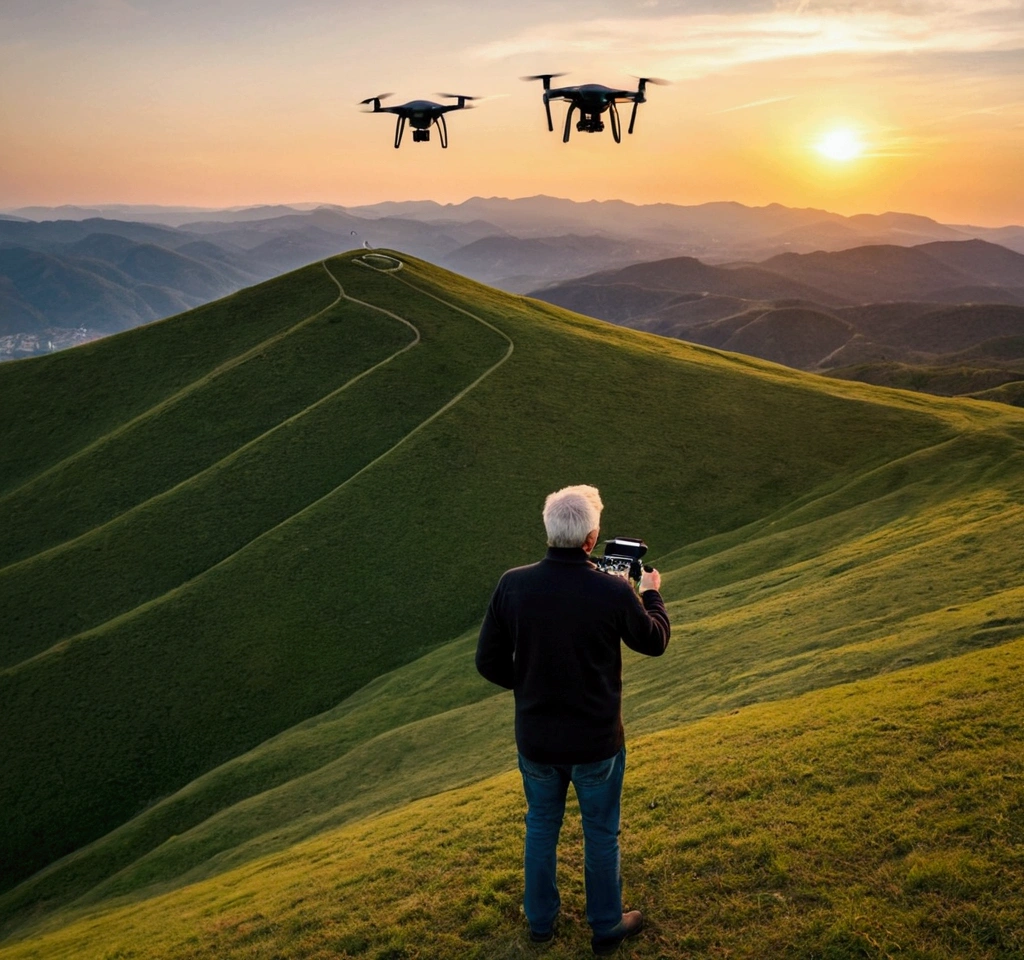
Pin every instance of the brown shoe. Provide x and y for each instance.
(630, 925)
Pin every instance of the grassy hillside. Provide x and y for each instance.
(280, 641)
(874, 819)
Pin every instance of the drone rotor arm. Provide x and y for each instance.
(547, 110)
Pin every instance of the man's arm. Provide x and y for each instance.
(494, 649)
(647, 627)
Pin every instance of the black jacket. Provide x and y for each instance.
(552, 634)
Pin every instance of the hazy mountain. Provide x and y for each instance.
(515, 244)
(933, 271)
(103, 283)
(640, 290)
(952, 323)
(715, 232)
(28, 233)
(520, 264)
(151, 213)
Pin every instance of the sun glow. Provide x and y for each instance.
(842, 144)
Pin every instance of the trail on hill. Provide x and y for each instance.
(51, 570)
(135, 566)
(175, 397)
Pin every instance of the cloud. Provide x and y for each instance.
(699, 44)
(752, 104)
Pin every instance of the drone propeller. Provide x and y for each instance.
(640, 98)
(546, 77)
(375, 101)
(657, 81)
(458, 96)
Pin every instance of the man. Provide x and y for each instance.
(552, 635)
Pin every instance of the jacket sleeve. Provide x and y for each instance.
(647, 628)
(495, 651)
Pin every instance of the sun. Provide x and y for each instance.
(840, 144)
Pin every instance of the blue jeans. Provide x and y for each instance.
(599, 791)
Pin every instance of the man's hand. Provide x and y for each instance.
(650, 579)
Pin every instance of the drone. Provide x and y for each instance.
(421, 114)
(592, 100)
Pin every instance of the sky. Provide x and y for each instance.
(855, 106)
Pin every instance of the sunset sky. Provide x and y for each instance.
(911, 105)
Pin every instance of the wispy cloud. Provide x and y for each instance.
(752, 104)
(699, 44)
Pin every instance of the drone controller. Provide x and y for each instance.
(622, 558)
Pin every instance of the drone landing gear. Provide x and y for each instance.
(616, 126)
(442, 130)
(399, 128)
(632, 116)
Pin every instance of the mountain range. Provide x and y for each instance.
(946, 317)
(63, 279)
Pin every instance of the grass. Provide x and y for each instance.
(55, 405)
(810, 532)
(882, 818)
(982, 378)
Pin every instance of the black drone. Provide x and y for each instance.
(421, 114)
(593, 99)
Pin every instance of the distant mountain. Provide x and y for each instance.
(949, 316)
(520, 264)
(42, 290)
(35, 235)
(714, 232)
(932, 271)
(151, 213)
(643, 289)
(105, 283)
(517, 245)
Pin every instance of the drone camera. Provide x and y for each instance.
(590, 125)
(420, 136)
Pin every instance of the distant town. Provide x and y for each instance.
(17, 345)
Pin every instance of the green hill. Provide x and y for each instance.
(244, 573)
(879, 818)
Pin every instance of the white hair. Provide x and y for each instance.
(570, 514)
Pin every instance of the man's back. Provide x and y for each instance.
(552, 633)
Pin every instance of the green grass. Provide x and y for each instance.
(270, 648)
(56, 405)
(981, 378)
(876, 819)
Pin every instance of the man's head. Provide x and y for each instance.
(571, 515)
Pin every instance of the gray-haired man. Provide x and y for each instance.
(552, 634)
